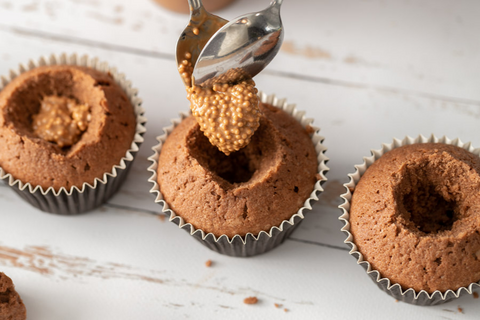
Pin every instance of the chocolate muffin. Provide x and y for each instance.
(62, 126)
(249, 191)
(415, 217)
(11, 305)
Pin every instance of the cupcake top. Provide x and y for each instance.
(250, 190)
(11, 305)
(63, 126)
(415, 216)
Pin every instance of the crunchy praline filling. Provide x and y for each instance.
(61, 120)
(228, 113)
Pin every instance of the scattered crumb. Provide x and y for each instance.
(208, 263)
(137, 26)
(225, 307)
(277, 305)
(161, 217)
(250, 300)
(30, 7)
(6, 5)
(286, 310)
(309, 52)
(460, 309)
(396, 300)
(105, 19)
(475, 295)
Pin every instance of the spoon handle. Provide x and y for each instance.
(195, 5)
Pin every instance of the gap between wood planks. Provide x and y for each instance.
(118, 206)
(282, 74)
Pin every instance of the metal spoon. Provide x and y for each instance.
(246, 45)
(199, 30)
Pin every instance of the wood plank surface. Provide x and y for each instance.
(366, 71)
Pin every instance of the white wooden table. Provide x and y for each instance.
(366, 70)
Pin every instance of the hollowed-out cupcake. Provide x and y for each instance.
(69, 130)
(248, 202)
(412, 218)
(11, 305)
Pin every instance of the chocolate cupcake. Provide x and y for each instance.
(69, 130)
(250, 201)
(412, 218)
(11, 305)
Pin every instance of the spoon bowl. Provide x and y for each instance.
(201, 27)
(241, 48)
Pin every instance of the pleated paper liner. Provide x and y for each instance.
(250, 244)
(411, 296)
(89, 196)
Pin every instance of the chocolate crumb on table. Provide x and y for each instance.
(460, 309)
(250, 300)
(277, 305)
(475, 295)
(208, 263)
(286, 310)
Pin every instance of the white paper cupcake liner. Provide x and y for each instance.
(89, 196)
(250, 244)
(411, 296)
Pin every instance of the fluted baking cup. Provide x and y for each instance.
(89, 196)
(250, 244)
(394, 289)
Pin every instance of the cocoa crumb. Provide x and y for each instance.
(250, 300)
(460, 309)
(396, 300)
(208, 263)
(161, 217)
(277, 305)
(475, 295)
(286, 310)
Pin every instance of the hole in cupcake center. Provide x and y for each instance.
(429, 196)
(429, 211)
(61, 120)
(238, 167)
